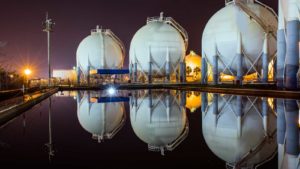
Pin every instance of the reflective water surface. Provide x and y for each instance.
(154, 128)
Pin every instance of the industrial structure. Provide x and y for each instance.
(65, 76)
(159, 118)
(240, 40)
(102, 53)
(157, 51)
(288, 43)
(240, 130)
(101, 115)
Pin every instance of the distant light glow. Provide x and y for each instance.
(27, 71)
(299, 118)
(111, 91)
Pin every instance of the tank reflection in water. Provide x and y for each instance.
(159, 118)
(240, 130)
(101, 114)
(288, 134)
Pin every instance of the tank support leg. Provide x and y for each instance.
(168, 71)
(265, 65)
(281, 54)
(239, 76)
(182, 72)
(183, 98)
(215, 107)
(239, 112)
(281, 122)
(292, 55)
(135, 74)
(215, 70)
(203, 70)
(150, 73)
(265, 114)
(78, 75)
(88, 76)
(204, 102)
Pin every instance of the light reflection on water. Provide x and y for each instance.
(148, 126)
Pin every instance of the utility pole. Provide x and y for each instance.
(48, 28)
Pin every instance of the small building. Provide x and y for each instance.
(65, 75)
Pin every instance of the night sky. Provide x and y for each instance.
(21, 26)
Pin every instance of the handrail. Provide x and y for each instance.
(118, 40)
(267, 7)
(251, 14)
(114, 37)
(172, 22)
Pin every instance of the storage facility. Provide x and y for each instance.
(102, 51)
(239, 40)
(157, 51)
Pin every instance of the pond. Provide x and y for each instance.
(153, 129)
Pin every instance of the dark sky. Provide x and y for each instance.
(21, 25)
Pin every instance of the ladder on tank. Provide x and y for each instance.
(247, 11)
(119, 42)
(172, 22)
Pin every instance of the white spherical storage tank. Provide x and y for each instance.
(240, 39)
(102, 120)
(157, 49)
(100, 50)
(158, 120)
(240, 130)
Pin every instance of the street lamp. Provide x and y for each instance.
(27, 73)
(48, 28)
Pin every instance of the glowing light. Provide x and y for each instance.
(111, 91)
(27, 72)
(299, 118)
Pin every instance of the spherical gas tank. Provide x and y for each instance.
(235, 29)
(231, 137)
(100, 50)
(160, 124)
(193, 64)
(158, 41)
(100, 119)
